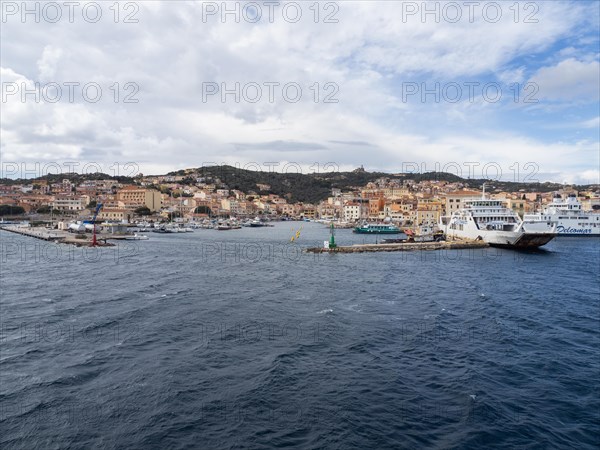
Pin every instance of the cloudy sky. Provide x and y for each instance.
(473, 89)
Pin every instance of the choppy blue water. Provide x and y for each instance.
(237, 339)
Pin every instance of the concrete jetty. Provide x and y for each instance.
(59, 236)
(34, 232)
(403, 247)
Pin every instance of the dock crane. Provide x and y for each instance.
(98, 208)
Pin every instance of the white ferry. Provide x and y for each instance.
(570, 218)
(494, 223)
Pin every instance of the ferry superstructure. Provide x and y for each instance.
(570, 218)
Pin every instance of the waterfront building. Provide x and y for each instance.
(376, 206)
(309, 211)
(115, 214)
(70, 203)
(456, 200)
(352, 212)
(327, 211)
(519, 205)
(590, 204)
(134, 197)
(32, 202)
(428, 214)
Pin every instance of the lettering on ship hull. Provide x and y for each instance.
(568, 230)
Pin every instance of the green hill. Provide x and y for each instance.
(308, 188)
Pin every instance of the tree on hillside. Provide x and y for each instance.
(203, 210)
(143, 211)
(11, 210)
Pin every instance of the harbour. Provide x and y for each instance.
(458, 244)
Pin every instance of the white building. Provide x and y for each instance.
(70, 203)
(352, 212)
(456, 200)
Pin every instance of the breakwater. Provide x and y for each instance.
(403, 247)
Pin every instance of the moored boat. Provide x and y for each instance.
(497, 225)
(382, 228)
(256, 223)
(570, 218)
(136, 237)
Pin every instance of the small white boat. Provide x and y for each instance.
(137, 237)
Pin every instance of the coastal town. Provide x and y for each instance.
(300, 224)
(192, 198)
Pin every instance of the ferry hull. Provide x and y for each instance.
(525, 240)
(506, 239)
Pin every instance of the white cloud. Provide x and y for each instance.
(48, 62)
(592, 123)
(569, 80)
(171, 52)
